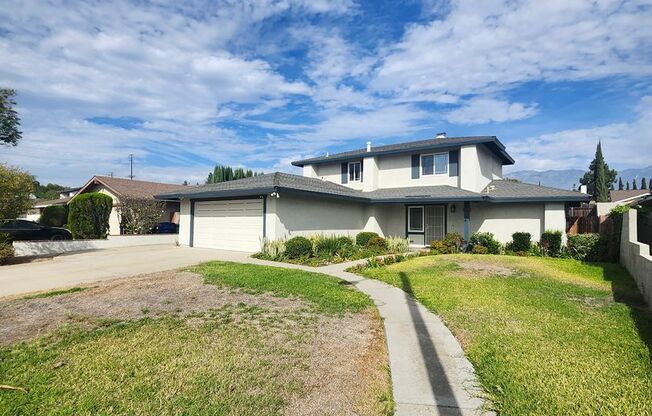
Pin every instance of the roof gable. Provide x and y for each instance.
(122, 187)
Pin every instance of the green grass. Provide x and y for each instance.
(55, 293)
(218, 366)
(547, 340)
(326, 294)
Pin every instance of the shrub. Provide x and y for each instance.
(345, 241)
(6, 252)
(550, 243)
(478, 249)
(486, 240)
(521, 242)
(438, 247)
(452, 243)
(362, 238)
(587, 247)
(328, 246)
(377, 243)
(398, 244)
(297, 247)
(272, 249)
(88, 215)
(54, 216)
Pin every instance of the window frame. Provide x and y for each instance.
(434, 163)
(409, 219)
(352, 172)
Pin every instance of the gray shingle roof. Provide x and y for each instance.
(506, 191)
(497, 191)
(491, 141)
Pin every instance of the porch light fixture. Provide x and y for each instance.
(452, 208)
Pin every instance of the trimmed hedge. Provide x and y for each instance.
(362, 238)
(88, 215)
(486, 240)
(297, 247)
(550, 243)
(377, 243)
(54, 216)
(521, 242)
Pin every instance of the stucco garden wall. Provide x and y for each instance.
(45, 248)
(635, 256)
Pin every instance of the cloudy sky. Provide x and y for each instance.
(260, 83)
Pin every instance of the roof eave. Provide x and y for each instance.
(215, 194)
(494, 199)
(409, 200)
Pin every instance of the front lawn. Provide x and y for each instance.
(231, 340)
(545, 335)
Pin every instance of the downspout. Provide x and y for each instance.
(467, 221)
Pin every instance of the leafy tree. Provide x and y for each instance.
(139, 215)
(9, 120)
(15, 191)
(88, 215)
(599, 177)
(223, 173)
(620, 184)
(49, 191)
(643, 183)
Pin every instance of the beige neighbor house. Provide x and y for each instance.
(118, 188)
(421, 190)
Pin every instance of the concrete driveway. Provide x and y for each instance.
(92, 266)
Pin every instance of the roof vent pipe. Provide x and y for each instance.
(368, 146)
(441, 135)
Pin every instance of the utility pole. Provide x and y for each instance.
(131, 166)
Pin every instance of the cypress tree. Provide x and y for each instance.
(627, 188)
(643, 183)
(634, 187)
(607, 176)
(620, 184)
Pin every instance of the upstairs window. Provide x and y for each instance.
(355, 171)
(434, 164)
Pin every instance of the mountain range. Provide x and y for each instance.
(566, 178)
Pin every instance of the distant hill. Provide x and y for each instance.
(565, 179)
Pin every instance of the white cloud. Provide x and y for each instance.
(489, 46)
(624, 145)
(487, 110)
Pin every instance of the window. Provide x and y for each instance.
(434, 164)
(355, 171)
(415, 219)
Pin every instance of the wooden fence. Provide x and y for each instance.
(582, 220)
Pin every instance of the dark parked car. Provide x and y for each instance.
(167, 228)
(22, 230)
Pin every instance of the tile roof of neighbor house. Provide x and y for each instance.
(616, 196)
(430, 144)
(134, 188)
(278, 181)
(42, 203)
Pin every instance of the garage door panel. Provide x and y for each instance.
(229, 225)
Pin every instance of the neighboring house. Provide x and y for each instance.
(421, 190)
(118, 188)
(68, 193)
(624, 197)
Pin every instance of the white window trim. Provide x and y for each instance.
(423, 219)
(349, 172)
(434, 165)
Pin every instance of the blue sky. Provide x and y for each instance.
(261, 83)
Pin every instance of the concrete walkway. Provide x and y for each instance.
(430, 374)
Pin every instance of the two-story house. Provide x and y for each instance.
(421, 190)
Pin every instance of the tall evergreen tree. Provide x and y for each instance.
(620, 184)
(634, 187)
(643, 183)
(627, 187)
(223, 173)
(9, 120)
(599, 177)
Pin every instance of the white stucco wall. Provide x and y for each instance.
(297, 215)
(184, 223)
(505, 219)
(395, 171)
(46, 248)
(478, 167)
(333, 172)
(370, 174)
(635, 256)
(309, 171)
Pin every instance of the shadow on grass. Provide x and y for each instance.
(625, 291)
(439, 383)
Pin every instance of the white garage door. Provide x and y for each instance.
(229, 225)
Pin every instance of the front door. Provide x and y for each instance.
(434, 223)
